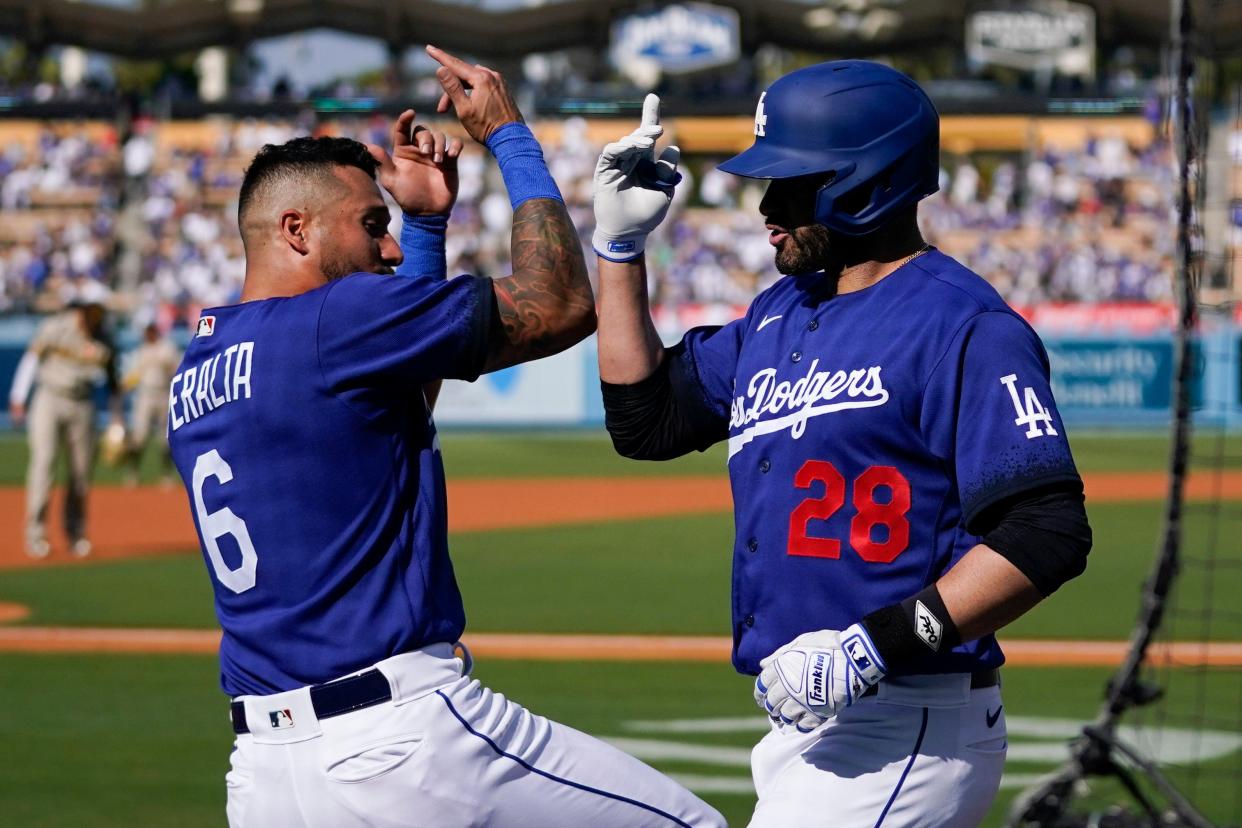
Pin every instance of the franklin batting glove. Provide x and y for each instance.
(633, 188)
(817, 675)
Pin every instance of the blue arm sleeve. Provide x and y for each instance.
(521, 163)
(422, 244)
(988, 413)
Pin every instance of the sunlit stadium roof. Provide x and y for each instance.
(508, 28)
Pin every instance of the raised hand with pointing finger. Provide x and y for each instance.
(633, 188)
(477, 94)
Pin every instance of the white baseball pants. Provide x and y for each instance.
(924, 751)
(445, 752)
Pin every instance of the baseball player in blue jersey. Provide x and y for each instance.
(901, 478)
(300, 424)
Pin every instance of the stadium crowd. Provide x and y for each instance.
(58, 199)
(154, 218)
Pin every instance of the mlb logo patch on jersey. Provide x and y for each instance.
(281, 719)
(206, 326)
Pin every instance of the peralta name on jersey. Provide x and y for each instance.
(216, 381)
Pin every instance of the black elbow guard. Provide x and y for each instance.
(1045, 535)
(662, 416)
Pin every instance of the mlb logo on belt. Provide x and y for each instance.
(281, 719)
(206, 325)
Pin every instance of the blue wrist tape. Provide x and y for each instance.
(422, 243)
(521, 164)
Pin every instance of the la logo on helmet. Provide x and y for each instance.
(761, 120)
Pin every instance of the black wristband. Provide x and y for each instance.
(913, 629)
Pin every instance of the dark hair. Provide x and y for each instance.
(302, 157)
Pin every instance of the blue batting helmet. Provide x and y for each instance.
(868, 125)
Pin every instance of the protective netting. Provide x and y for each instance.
(1195, 729)
(1166, 748)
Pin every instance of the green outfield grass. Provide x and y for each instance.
(128, 740)
(588, 453)
(664, 575)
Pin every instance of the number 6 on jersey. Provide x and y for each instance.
(215, 525)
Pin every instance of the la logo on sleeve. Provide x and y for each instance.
(1031, 412)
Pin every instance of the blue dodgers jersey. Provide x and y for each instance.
(866, 432)
(314, 475)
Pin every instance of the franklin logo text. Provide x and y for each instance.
(817, 674)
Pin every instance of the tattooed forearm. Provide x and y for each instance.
(547, 304)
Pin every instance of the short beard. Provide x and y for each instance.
(335, 267)
(805, 250)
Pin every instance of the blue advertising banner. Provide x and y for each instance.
(1111, 374)
(1117, 381)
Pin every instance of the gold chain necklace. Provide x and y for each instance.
(926, 246)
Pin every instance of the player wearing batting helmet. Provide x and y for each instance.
(301, 424)
(902, 482)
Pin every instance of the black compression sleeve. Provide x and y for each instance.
(662, 416)
(1044, 534)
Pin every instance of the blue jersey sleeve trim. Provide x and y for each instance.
(484, 302)
(947, 348)
(323, 376)
(918, 745)
(580, 786)
(972, 510)
(688, 357)
(1026, 484)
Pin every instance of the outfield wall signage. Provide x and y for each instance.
(544, 392)
(1113, 375)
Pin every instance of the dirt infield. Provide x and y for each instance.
(526, 647)
(150, 521)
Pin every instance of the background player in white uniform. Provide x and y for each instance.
(313, 470)
(68, 359)
(901, 478)
(154, 363)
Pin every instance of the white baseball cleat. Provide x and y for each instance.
(81, 548)
(38, 548)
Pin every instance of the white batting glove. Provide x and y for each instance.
(817, 675)
(633, 188)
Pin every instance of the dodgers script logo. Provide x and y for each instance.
(770, 406)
